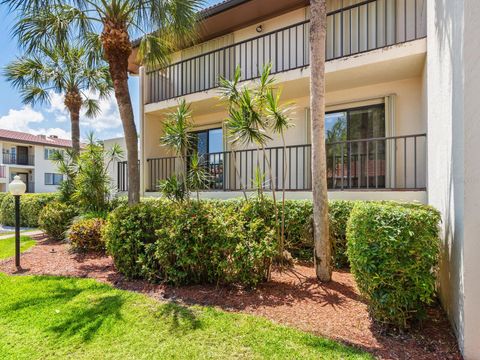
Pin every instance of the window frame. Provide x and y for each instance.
(53, 177)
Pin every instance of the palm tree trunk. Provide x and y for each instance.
(73, 102)
(117, 48)
(322, 249)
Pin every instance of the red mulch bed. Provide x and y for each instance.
(293, 297)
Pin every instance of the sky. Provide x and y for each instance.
(53, 119)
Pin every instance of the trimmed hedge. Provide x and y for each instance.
(193, 242)
(86, 235)
(55, 219)
(393, 250)
(30, 207)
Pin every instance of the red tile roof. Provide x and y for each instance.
(17, 136)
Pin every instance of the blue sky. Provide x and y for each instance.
(52, 119)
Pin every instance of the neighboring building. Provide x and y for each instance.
(117, 170)
(27, 156)
(402, 81)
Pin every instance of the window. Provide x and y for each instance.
(353, 159)
(53, 179)
(49, 153)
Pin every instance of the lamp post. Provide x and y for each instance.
(17, 188)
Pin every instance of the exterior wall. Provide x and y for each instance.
(112, 167)
(36, 172)
(454, 177)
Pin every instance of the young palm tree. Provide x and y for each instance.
(280, 122)
(64, 70)
(322, 251)
(107, 28)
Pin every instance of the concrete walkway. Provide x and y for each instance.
(26, 233)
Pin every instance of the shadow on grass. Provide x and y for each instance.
(181, 318)
(86, 320)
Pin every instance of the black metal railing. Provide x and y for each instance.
(122, 176)
(386, 163)
(18, 159)
(355, 29)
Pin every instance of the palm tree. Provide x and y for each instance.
(322, 251)
(107, 27)
(64, 70)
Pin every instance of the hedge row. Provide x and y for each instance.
(30, 207)
(194, 242)
(393, 251)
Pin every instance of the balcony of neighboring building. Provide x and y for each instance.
(375, 35)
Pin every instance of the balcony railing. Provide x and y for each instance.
(17, 159)
(363, 27)
(387, 163)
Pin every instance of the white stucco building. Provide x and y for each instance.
(402, 81)
(27, 156)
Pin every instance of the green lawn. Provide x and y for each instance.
(58, 318)
(7, 246)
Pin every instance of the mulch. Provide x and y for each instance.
(294, 298)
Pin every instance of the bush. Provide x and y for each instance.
(30, 207)
(55, 219)
(192, 242)
(128, 230)
(86, 235)
(339, 213)
(393, 251)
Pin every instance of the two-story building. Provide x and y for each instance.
(402, 85)
(28, 156)
(376, 104)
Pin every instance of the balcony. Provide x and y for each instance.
(352, 30)
(18, 159)
(376, 164)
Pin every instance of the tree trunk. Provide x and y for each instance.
(322, 248)
(117, 48)
(73, 102)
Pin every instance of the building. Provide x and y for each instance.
(402, 83)
(27, 156)
(117, 169)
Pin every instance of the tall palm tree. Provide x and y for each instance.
(322, 250)
(63, 70)
(107, 28)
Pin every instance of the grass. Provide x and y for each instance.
(7, 246)
(54, 318)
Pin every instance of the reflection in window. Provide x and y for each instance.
(354, 160)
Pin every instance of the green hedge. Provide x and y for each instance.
(393, 251)
(55, 219)
(30, 207)
(194, 242)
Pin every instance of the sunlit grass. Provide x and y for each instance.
(7, 246)
(57, 318)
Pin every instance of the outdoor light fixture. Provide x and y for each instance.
(17, 188)
(259, 28)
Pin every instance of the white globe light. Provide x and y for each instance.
(17, 186)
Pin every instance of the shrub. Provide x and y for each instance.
(128, 230)
(86, 235)
(191, 242)
(393, 251)
(55, 219)
(30, 207)
(339, 213)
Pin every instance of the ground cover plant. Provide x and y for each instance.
(7, 246)
(54, 317)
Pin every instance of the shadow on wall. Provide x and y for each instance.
(449, 37)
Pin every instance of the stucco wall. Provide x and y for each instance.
(454, 177)
(43, 166)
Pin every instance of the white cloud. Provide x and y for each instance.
(108, 119)
(20, 120)
(62, 134)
